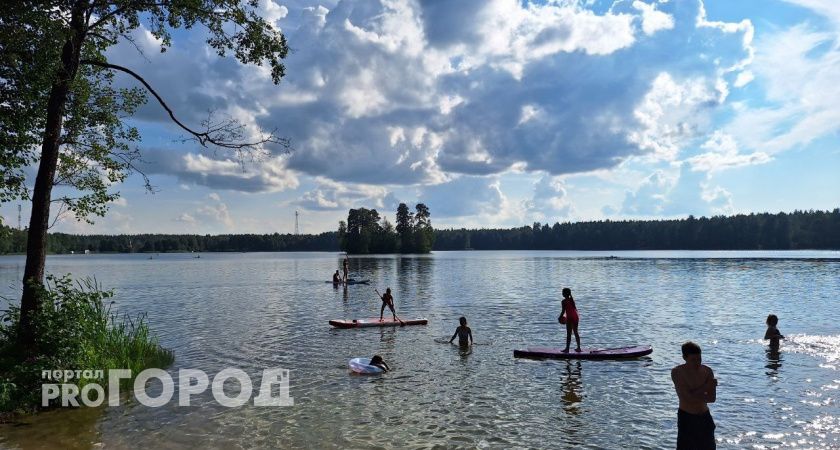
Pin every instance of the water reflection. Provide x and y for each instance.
(774, 361)
(572, 385)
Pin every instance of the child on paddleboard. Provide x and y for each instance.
(569, 316)
(773, 333)
(463, 333)
(387, 300)
(379, 362)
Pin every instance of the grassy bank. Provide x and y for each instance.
(76, 330)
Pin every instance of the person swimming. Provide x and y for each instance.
(464, 334)
(379, 362)
(569, 310)
(336, 277)
(772, 332)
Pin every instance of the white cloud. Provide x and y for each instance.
(744, 78)
(671, 113)
(186, 218)
(330, 195)
(218, 213)
(120, 201)
(722, 153)
(268, 175)
(464, 196)
(549, 200)
(652, 19)
(665, 193)
(800, 70)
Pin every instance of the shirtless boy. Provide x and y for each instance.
(696, 386)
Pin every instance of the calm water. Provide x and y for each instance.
(255, 311)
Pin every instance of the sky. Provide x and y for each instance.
(494, 113)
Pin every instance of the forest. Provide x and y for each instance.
(365, 232)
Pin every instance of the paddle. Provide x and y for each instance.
(392, 306)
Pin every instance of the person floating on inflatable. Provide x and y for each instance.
(569, 316)
(379, 362)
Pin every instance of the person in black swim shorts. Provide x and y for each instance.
(696, 386)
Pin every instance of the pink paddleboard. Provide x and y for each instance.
(375, 322)
(586, 353)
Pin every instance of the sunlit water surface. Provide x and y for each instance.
(263, 310)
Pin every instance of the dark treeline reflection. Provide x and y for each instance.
(783, 231)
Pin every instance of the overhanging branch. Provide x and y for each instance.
(212, 134)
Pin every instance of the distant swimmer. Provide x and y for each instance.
(773, 333)
(336, 277)
(379, 362)
(696, 386)
(569, 316)
(463, 333)
(387, 300)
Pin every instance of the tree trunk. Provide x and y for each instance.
(36, 244)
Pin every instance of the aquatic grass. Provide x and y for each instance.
(76, 330)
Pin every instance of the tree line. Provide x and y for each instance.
(364, 232)
(782, 231)
(371, 234)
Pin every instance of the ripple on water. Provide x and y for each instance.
(254, 311)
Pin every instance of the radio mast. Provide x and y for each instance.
(297, 225)
(19, 228)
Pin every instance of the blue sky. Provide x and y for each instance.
(498, 113)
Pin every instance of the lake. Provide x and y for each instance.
(270, 310)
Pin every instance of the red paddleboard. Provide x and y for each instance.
(375, 322)
(586, 353)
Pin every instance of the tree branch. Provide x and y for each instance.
(210, 136)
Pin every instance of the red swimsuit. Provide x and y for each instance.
(571, 311)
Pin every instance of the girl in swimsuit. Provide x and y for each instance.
(572, 318)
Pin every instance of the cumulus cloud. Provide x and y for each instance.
(550, 200)
(800, 70)
(270, 175)
(185, 218)
(722, 153)
(332, 196)
(653, 20)
(394, 93)
(450, 94)
(677, 194)
(464, 196)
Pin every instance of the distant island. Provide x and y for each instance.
(818, 230)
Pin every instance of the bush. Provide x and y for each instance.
(75, 330)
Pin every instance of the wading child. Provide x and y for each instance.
(773, 333)
(464, 334)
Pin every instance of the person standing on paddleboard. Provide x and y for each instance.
(346, 266)
(387, 300)
(696, 386)
(569, 316)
